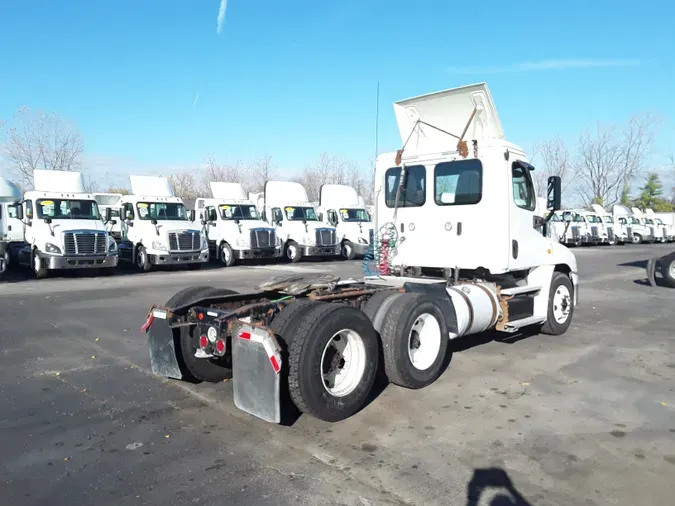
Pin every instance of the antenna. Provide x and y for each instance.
(377, 119)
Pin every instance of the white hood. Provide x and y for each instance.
(449, 110)
(60, 226)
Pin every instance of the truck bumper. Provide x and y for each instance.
(79, 262)
(574, 277)
(176, 258)
(360, 249)
(321, 251)
(247, 254)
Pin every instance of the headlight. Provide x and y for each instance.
(205, 243)
(362, 240)
(243, 241)
(51, 248)
(112, 245)
(307, 240)
(157, 245)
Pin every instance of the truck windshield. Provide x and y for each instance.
(649, 222)
(354, 215)
(634, 220)
(67, 209)
(608, 219)
(578, 218)
(228, 212)
(161, 211)
(658, 221)
(300, 214)
(594, 219)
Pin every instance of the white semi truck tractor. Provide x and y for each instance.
(313, 341)
(63, 228)
(11, 228)
(286, 206)
(155, 228)
(341, 207)
(233, 227)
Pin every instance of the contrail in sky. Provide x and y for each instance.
(221, 14)
(194, 103)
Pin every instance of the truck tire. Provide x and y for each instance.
(287, 320)
(668, 269)
(637, 239)
(348, 252)
(226, 255)
(199, 369)
(293, 252)
(378, 305)
(142, 259)
(333, 358)
(415, 341)
(560, 305)
(38, 265)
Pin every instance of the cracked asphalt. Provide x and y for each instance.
(585, 418)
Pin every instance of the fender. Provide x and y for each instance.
(437, 292)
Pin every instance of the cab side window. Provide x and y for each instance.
(458, 183)
(413, 191)
(523, 188)
(29, 209)
(128, 211)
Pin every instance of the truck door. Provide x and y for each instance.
(30, 219)
(528, 247)
(14, 227)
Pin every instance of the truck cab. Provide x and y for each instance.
(663, 232)
(572, 228)
(63, 228)
(642, 231)
(285, 206)
(596, 232)
(341, 207)
(614, 233)
(434, 198)
(11, 228)
(155, 228)
(233, 227)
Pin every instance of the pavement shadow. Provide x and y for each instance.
(635, 263)
(494, 477)
(659, 282)
(465, 343)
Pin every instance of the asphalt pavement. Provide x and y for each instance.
(584, 418)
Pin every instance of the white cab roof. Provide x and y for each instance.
(449, 110)
(151, 186)
(9, 192)
(227, 191)
(285, 193)
(338, 195)
(58, 181)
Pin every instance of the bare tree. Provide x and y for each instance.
(184, 185)
(331, 169)
(37, 140)
(260, 171)
(555, 160)
(218, 172)
(610, 159)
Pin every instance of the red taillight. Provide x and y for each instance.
(245, 335)
(203, 341)
(220, 346)
(200, 316)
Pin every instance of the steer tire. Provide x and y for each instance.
(306, 351)
(668, 269)
(347, 250)
(142, 259)
(552, 326)
(186, 341)
(408, 311)
(293, 252)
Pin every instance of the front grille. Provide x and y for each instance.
(575, 232)
(594, 231)
(610, 233)
(629, 231)
(184, 241)
(263, 238)
(326, 237)
(85, 243)
(651, 231)
(665, 232)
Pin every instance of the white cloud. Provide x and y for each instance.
(221, 14)
(546, 65)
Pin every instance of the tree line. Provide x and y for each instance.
(601, 167)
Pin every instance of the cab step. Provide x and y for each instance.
(520, 290)
(515, 325)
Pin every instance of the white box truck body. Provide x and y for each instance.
(11, 227)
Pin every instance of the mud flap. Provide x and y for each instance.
(256, 372)
(651, 271)
(162, 347)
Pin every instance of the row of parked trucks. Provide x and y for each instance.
(59, 225)
(578, 227)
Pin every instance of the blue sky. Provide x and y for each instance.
(153, 84)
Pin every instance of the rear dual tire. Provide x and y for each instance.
(668, 269)
(332, 356)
